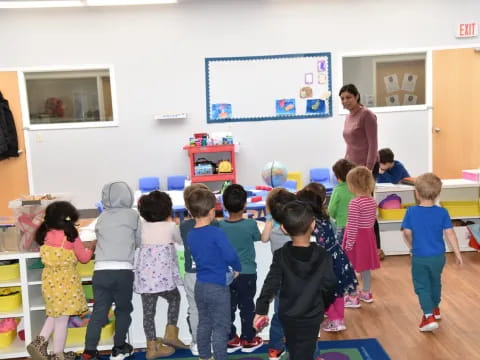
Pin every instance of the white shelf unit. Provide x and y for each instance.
(452, 190)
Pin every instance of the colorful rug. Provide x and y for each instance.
(361, 349)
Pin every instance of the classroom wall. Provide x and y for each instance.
(158, 56)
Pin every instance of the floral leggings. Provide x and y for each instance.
(149, 302)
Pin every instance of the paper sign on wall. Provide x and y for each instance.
(409, 82)
(409, 99)
(391, 83)
(392, 100)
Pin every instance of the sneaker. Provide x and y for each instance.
(90, 355)
(351, 301)
(436, 313)
(428, 324)
(121, 352)
(365, 296)
(274, 354)
(250, 346)
(194, 349)
(334, 326)
(234, 344)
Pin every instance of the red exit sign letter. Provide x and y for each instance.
(467, 30)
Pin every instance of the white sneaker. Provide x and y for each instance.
(194, 349)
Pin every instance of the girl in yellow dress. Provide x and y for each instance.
(60, 250)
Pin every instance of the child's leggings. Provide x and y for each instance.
(336, 311)
(149, 302)
(366, 280)
(58, 326)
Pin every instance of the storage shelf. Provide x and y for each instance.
(214, 177)
(15, 350)
(13, 313)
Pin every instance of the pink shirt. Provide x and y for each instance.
(56, 238)
(360, 134)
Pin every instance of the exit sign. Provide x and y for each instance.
(467, 30)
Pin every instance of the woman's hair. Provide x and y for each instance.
(155, 206)
(341, 169)
(360, 181)
(352, 89)
(277, 198)
(59, 215)
(314, 194)
(298, 218)
(428, 186)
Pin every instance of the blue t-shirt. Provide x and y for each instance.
(427, 224)
(212, 254)
(393, 175)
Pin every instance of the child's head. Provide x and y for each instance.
(59, 215)
(117, 195)
(189, 189)
(428, 186)
(360, 181)
(200, 203)
(155, 206)
(341, 169)
(298, 218)
(234, 198)
(386, 158)
(277, 198)
(314, 194)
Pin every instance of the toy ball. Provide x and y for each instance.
(274, 173)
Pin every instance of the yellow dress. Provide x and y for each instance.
(61, 285)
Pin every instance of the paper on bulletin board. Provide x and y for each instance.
(409, 99)
(409, 82)
(392, 100)
(391, 83)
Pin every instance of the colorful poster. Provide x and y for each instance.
(409, 82)
(391, 83)
(309, 78)
(221, 111)
(285, 106)
(306, 92)
(322, 77)
(315, 106)
(322, 65)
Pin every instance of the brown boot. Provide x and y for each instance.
(58, 356)
(38, 348)
(156, 349)
(171, 338)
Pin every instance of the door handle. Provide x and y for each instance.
(437, 130)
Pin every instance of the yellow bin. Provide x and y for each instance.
(6, 338)
(393, 214)
(9, 272)
(11, 302)
(461, 208)
(77, 335)
(85, 270)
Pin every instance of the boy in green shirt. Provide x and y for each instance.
(341, 196)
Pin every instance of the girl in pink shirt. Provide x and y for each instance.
(60, 250)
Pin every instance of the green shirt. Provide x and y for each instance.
(242, 235)
(338, 205)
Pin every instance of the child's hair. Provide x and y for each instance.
(386, 155)
(155, 206)
(59, 215)
(360, 181)
(189, 189)
(314, 194)
(200, 202)
(298, 217)
(428, 186)
(341, 169)
(234, 198)
(277, 198)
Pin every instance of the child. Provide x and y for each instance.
(190, 268)
(423, 228)
(156, 272)
(359, 241)
(242, 234)
(277, 198)
(118, 234)
(390, 170)
(341, 196)
(60, 248)
(303, 273)
(314, 194)
(213, 254)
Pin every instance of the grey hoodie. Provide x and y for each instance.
(118, 226)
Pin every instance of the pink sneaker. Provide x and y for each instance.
(351, 301)
(366, 296)
(334, 326)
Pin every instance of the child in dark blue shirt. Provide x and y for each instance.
(423, 228)
(390, 170)
(212, 254)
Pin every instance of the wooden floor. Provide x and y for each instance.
(394, 316)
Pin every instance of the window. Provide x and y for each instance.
(76, 97)
(387, 80)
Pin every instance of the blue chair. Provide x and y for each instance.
(148, 183)
(180, 211)
(290, 185)
(99, 207)
(176, 182)
(322, 176)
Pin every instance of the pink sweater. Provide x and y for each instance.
(56, 238)
(360, 134)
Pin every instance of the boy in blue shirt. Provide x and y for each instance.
(242, 234)
(390, 170)
(212, 254)
(423, 228)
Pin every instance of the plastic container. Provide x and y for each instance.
(11, 302)
(88, 291)
(85, 270)
(77, 335)
(461, 208)
(9, 239)
(393, 214)
(6, 338)
(9, 272)
(473, 175)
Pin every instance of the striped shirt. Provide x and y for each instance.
(362, 213)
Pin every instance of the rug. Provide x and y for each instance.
(361, 349)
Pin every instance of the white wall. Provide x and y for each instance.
(158, 56)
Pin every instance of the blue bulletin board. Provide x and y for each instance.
(273, 87)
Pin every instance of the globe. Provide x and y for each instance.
(274, 173)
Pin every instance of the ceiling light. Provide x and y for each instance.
(40, 4)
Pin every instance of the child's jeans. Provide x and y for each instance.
(189, 284)
(276, 329)
(242, 292)
(427, 280)
(302, 340)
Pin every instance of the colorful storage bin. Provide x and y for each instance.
(9, 272)
(88, 291)
(6, 338)
(393, 214)
(77, 335)
(461, 208)
(11, 302)
(85, 270)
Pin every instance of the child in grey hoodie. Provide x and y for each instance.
(118, 234)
